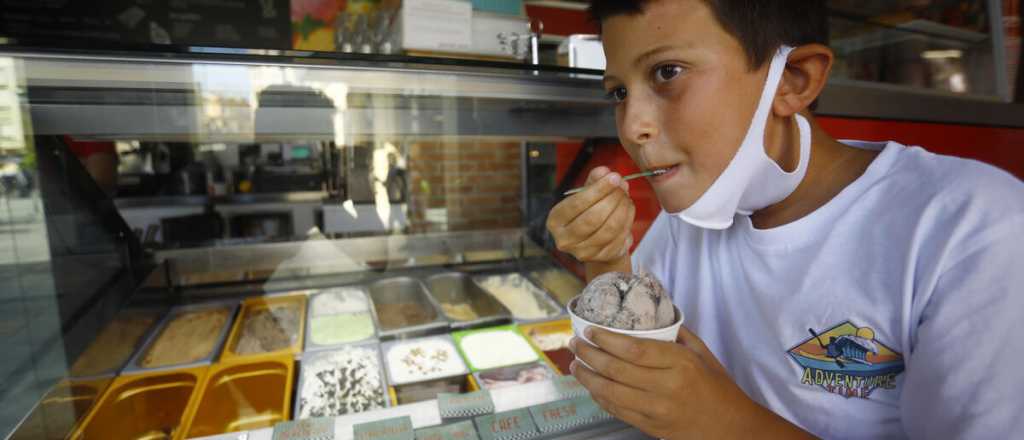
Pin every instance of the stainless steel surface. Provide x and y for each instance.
(858, 99)
(457, 287)
(406, 290)
(232, 308)
(313, 355)
(309, 345)
(386, 346)
(143, 341)
(234, 199)
(544, 301)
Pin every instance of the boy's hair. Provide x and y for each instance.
(761, 26)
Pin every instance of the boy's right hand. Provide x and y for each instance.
(595, 225)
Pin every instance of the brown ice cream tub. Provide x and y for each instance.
(242, 396)
(256, 308)
(459, 288)
(189, 336)
(144, 406)
(61, 410)
(115, 344)
(404, 308)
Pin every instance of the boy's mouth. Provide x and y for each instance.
(663, 173)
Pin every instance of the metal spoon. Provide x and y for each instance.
(625, 179)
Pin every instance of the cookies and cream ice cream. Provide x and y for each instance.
(626, 302)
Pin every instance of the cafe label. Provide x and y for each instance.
(509, 425)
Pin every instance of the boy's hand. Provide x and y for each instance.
(671, 390)
(595, 226)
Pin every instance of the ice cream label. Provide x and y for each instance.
(321, 428)
(568, 386)
(564, 415)
(398, 428)
(509, 425)
(472, 404)
(463, 430)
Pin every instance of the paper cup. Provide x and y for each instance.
(667, 334)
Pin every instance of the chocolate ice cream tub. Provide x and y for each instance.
(527, 302)
(464, 303)
(188, 336)
(405, 309)
(346, 380)
(267, 326)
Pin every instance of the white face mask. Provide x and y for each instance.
(752, 180)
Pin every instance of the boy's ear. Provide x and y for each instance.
(806, 74)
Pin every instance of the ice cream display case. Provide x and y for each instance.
(293, 240)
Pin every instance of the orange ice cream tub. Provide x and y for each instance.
(60, 410)
(242, 396)
(145, 406)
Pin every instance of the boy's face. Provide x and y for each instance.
(689, 95)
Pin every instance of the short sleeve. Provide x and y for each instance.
(963, 377)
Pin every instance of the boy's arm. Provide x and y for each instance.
(963, 376)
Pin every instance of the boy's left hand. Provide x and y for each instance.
(668, 390)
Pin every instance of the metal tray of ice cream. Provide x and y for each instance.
(157, 312)
(309, 345)
(386, 346)
(459, 287)
(408, 290)
(309, 357)
(542, 297)
(232, 309)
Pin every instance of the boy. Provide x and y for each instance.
(841, 290)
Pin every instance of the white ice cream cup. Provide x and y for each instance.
(667, 334)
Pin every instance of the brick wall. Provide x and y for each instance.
(477, 184)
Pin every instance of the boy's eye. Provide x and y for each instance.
(667, 72)
(617, 94)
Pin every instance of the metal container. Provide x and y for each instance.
(412, 390)
(510, 376)
(458, 288)
(116, 344)
(253, 306)
(310, 342)
(552, 339)
(60, 410)
(310, 358)
(144, 406)
(395, 299)
(229, 308)
(243, 396)
(549, 307)
(559, 283)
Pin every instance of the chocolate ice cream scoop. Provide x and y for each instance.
(626, 302)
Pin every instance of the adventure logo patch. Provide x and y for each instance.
(847, 360)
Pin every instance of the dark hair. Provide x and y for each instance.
(761, 26)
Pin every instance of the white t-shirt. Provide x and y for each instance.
(912, 278)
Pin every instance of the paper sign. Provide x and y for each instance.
(567, 414)
(472, 404)
(509, 425)
(463, 430)
(398, 428)
(306, 429)
(568, 387)
(437, 25)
